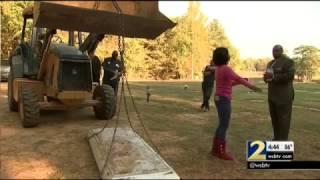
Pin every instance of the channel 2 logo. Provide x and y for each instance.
(256, 150)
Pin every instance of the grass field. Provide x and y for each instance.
(58, 149)
(183, 133)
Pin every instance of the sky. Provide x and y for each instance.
(254, 27)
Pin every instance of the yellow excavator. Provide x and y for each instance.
(50, 75)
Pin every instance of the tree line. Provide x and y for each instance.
(179, 53)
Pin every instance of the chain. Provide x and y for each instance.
(121, 47)
(115, 129)
(126, 109)
(95, 6)
(126, 81)
(140, 119)
(106, 124)
(121, 41)
(121, 94)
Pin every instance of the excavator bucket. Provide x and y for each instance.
(141, 19)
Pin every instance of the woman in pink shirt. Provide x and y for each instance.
(225, 78)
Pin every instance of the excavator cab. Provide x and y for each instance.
(24, 56)
(48, 74)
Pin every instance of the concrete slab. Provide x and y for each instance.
(131, 157)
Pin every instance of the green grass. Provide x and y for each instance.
(183, 133)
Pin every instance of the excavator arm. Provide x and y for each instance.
(91, 42)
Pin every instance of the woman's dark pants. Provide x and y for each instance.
(223, 105)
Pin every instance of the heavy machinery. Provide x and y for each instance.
(49, 75)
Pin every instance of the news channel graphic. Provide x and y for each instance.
(270, 150)
(275, 155)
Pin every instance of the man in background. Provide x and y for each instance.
(113, 69)
(279, 76)
(207, 86)
(96, 67)
(148, 93)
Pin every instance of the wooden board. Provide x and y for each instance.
(131, 157)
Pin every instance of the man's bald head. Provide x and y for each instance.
(115, 54)
(277, 51)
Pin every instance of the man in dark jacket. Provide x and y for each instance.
(113, 69)
(96, 67)
(207, 86)
(279, 76)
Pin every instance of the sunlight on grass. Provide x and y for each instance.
(184, 134)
